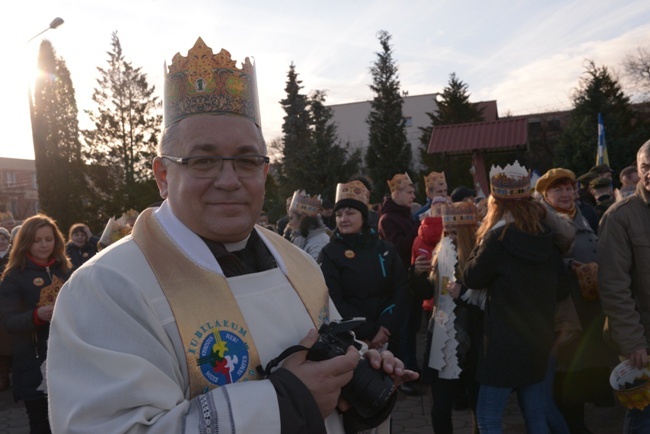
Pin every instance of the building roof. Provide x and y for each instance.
(16, 164)
(489, 110)
(501, 135)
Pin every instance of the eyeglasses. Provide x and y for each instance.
(210, 166)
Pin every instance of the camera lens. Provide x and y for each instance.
(369, 390)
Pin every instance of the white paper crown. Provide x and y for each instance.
(304, 204)
(510, 182)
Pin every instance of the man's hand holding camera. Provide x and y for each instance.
(326, 377)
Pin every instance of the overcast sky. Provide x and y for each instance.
(527, 55)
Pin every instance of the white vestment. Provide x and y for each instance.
(116, 363)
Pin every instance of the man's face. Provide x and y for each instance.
(643, 168)
(225, 208)
(404, 196)
(326, 212)
(437, 190)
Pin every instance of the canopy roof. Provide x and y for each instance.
(501, 135)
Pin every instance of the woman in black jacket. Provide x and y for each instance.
(518, 264)
(364, 274)
(37, 268)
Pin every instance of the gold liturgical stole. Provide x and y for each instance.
(217, 342)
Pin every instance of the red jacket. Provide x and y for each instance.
(429, 235)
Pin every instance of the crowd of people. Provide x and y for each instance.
(206, 318)
(508, 285)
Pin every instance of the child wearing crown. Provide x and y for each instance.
(454, 326)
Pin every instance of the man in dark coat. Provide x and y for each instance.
(397, 226)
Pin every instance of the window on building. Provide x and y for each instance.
(408, 121)
(10, 178)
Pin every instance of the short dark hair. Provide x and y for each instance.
(627, 172)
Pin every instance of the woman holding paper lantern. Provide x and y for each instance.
(36, 271)
(519, 265)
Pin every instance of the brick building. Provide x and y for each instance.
(18, 188)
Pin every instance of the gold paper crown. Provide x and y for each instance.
(303, 204)
(459, 214)
(399, 181)
(435, 179)
(354, 190)
(511, 182)
(207, 83)
(631, 385)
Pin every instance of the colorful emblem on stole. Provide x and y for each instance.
(222, 353)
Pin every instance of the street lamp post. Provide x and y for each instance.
(56, 22)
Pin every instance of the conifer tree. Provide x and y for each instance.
(330, 162)
(389, 151)
(57, 149)
(294, 172)
(453, 107)
(126, 127)
(600, 92)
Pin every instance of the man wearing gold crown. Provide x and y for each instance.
(163, 331)
(397, 226)
(436, 189)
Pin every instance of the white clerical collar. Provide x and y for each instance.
(239, 245)
(194, 247)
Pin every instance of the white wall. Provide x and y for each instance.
(352, 127)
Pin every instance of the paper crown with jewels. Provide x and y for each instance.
(354, 190)
(511, 182)
(435, 179)
(207, 83)
(399, 181)
(631, 385)
(304, 204)
(455, 215)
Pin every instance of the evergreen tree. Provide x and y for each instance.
(57, 149)
(453, 108)
(389, 151)
(124, 138)
(330, 162)
(294, 172)
(600, 92)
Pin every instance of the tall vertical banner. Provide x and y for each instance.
(601, 155)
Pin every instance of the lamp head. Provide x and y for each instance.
(56, 22)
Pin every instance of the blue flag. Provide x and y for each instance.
(601, 155)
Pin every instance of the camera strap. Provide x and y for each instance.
(265, 372)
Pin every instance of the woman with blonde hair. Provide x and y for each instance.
(519, 264)
(36, 270)
(450, 358)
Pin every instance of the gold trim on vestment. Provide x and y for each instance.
(206, 312)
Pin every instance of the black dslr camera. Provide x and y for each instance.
(369, 390)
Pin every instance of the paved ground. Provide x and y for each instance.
(412, 416)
